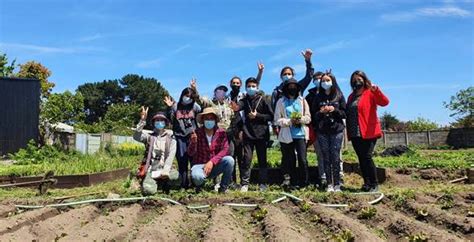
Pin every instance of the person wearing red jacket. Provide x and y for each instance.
(363, 125)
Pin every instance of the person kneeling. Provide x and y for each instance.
(210, 151)
(156, 168)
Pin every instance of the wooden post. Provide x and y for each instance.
(384, 138)
(406, 138)
(428, 134)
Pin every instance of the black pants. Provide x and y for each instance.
(288, 161)
(364, 149)
(260, 146)
(238, 154)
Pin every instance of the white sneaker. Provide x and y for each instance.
(337, 188)
(244, 188)
(216, 187)
(330, 188)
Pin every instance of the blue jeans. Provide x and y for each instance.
(330, 145)
(224, 167)
(183, 159)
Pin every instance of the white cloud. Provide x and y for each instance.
(181, 48)
(91, 37)
(333, 46)
(155, 63)
(239, 42)
(445, 11)
(39, 49)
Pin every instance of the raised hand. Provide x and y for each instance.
(143, 113)
(234, 106)
(374, 87)
(193, 83)
(307, 54)
(260, 66)
(168, 101)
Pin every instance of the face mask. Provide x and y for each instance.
(286, 77)
(316, 82)
(252, 90)
(187, 100)
(235, 88)
(292, 92)
(219, 94)
(357, 85)
(160, 124)
(326, 85)
(209, 124)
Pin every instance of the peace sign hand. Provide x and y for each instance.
(193, 83)
(168, 101)
(144, 113)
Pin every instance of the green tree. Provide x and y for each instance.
(462, 106)
(6, 69)
(389, 121)
(63, 107)
(120, 118)
(144, 92)
(98, 97)
(32, 69)
(421, 124)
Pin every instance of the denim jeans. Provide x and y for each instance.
(224, 167)
(183, 159)
(330, 145)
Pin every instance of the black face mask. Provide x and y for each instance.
(235, 88)
(357, 85)
(292, 92)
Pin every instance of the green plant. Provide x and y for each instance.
(305, 206)
(417, 238)
(400, 197)
(422, 213)
(367, 213)
(344, 236)
(259, 214)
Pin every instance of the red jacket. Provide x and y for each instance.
(367, 112)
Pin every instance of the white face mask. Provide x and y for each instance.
(286, 77)
(326, 85)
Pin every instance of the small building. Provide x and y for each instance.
(19, 113)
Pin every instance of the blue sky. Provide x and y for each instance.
(419, 52)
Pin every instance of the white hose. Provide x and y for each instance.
(241, 205)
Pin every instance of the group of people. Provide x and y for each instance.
(214, 136)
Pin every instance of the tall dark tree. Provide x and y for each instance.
(98, 97)
(389, 121)
(144, 91)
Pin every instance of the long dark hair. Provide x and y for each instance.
(335, 92)
(367, 82)
(186, 91)
(287, 68)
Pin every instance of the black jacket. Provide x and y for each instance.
(328, 123)
(257, 128)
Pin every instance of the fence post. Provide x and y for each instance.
(406, 138)
(384, 138)
(428, 133)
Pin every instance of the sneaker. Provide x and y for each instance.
(223, 190)
(286, 181)
(244, 188)
(198, 189)
(330, 188)
(263, 187)
(365, 188)
(374, 189)
(216, 187)
(324, 182)
(337, 188)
